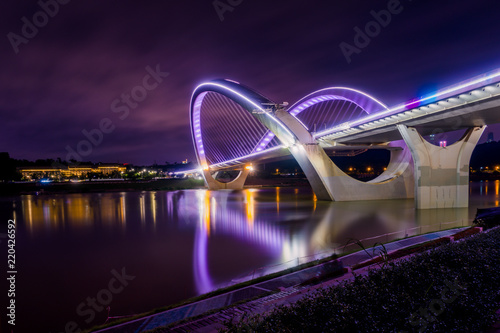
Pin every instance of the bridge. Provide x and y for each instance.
(234, 127)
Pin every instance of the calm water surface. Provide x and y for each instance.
(180, 244)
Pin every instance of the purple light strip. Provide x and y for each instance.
(196, 128)
(296, 109)
(312, 101)
(448, 92)
(311, 97)
(197, 135)
(259, 107)
(302, 107)
(262, 144)
(249, 155)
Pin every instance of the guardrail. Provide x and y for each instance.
(367, 242)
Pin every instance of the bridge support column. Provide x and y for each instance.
(329, 182)
(441, 173)
(235, 184)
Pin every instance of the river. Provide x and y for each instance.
(136, 251)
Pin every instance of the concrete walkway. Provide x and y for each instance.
(290, 291)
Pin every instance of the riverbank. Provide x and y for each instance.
(37, 188)
(171, 184)
(269, 292)
(451, 288)
(484, 177)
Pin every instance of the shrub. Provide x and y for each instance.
(392, 299)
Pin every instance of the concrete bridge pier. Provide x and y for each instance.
(441, 173)
(329, 182)
(236, 184)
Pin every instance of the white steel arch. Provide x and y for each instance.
(323, 175)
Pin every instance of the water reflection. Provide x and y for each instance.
(76, 210)
(234, 214)
(497, 187)
(487, 193)
(275, 225)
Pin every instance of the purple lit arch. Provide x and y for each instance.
(225, 122)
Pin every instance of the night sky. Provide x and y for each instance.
(69, 76)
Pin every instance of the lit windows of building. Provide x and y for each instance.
(32, 173)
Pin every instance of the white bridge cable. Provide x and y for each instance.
(229, 131)
(225, 132)
(239, 140)
(213, 147)
(252, 125)
(249, 123)
(311, 119)
(210, 145)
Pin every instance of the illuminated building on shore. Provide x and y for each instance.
(68, 172)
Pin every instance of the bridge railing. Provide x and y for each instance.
(346, 248)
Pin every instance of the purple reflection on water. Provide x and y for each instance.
(200, 266)
(217, 216)
(182, 243)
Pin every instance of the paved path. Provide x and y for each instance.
(289, 286)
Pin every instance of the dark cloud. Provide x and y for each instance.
(65, 79)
